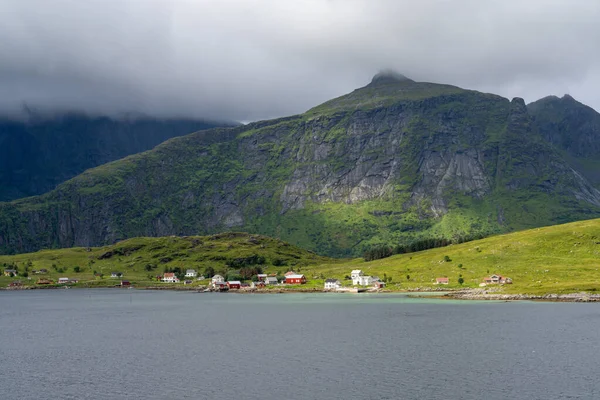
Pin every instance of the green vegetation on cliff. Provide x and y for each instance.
(392, 163)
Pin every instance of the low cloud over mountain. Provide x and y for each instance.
(234, 59)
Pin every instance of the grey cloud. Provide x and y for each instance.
(247, 60)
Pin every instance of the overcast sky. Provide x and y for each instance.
(246, 60)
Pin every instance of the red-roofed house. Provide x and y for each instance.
(442, 281)
(170, 277)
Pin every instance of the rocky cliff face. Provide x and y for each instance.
(396, 161)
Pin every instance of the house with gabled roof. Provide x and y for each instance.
(191, 273)
(170, 277)
(295, 279)
(332, 284)
(356, 276)
(271, 280)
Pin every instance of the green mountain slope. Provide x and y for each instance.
(572, 127)
(394, 162)
(142, 259)
(38, 154)
(556, 259)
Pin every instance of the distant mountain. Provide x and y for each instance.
(573, 128)
(37, 155)
(394, 162)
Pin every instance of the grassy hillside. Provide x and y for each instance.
(142, 259)
(557, 259)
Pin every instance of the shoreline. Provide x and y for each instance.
(465, 294)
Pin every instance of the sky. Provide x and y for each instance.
(247, 60)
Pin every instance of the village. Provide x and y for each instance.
(356, 282)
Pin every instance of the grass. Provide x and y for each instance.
(557, 259)
(142, 259)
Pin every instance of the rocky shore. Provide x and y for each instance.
(482, 294)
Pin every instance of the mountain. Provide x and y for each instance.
(396, 161)
(41, 152)
(572, 127)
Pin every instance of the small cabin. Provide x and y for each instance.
(271, 280)
(191, 273)
(332, 284)
(442, 281)
(170, 277)
(234, 284)
(295, 279)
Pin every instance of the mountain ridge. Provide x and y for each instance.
(41, 151)
(393, 164)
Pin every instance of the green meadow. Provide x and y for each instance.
(556, 259)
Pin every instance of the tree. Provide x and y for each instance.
(447, 259)
(25, 274)
(209, 272)
(460, 280)
(408, 277)
(148, 267)
(77, 269)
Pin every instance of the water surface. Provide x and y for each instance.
(128, 344)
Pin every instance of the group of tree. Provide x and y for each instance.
(378, 252)
(242, 262)
(249, 272)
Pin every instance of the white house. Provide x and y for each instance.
(191, 273)
(170, 277)
(363, 281)
(332, 284)
(261, 277)
(201, 278)
(217, 279)
(63, 280)
(271, 280)
(355, 275)
(116, 274)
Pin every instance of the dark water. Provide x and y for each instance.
(111, 344)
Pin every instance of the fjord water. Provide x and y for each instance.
(128, 344)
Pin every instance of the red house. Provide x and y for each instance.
(234, 284)
(295, 279)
